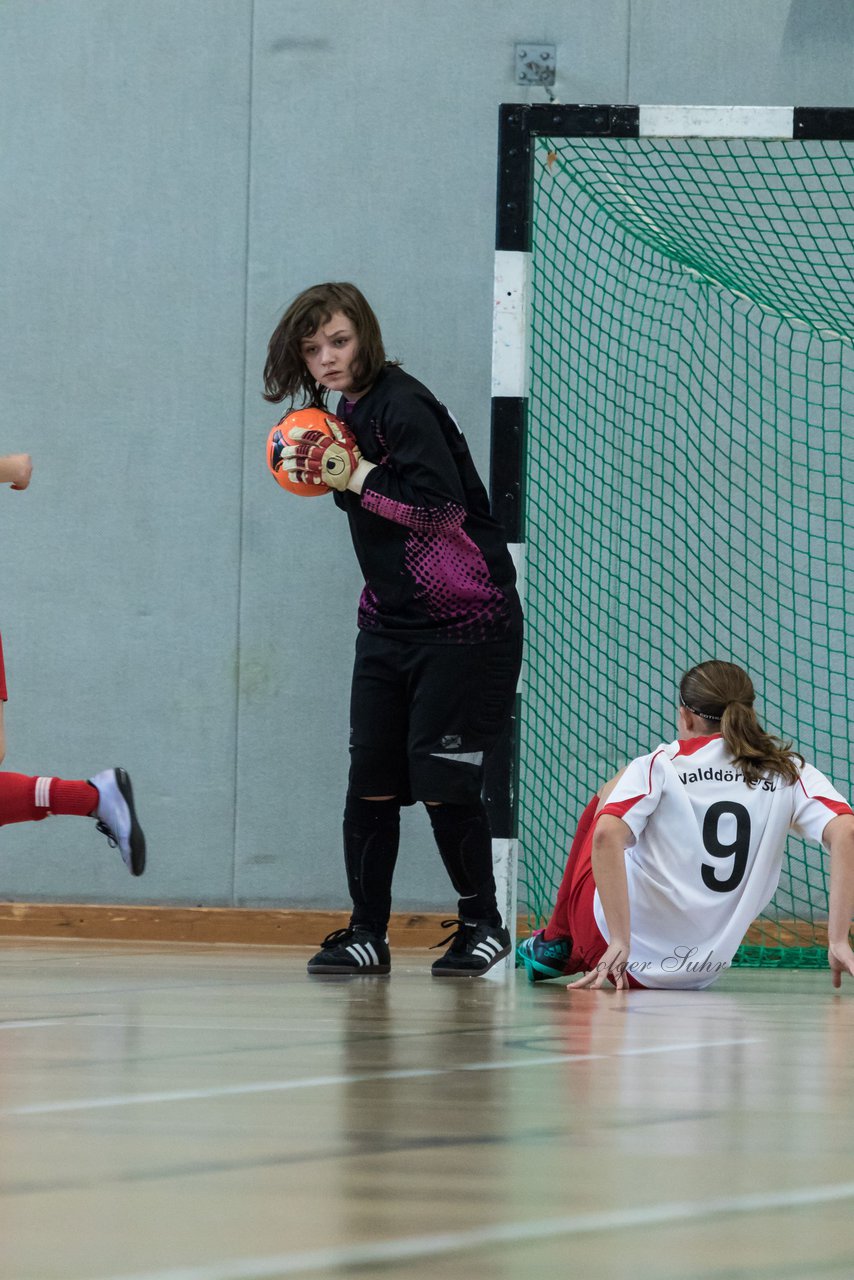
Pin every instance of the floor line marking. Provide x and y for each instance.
(409, 1247)
(88, 1020)
(315, 1082)
(33, 1022)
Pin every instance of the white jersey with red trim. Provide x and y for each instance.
(707, 854)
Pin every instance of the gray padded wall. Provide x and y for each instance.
(170, 176)
(124, 177)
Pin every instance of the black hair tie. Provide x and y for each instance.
(705, 715)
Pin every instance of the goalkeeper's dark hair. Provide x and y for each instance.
(722, 694)
(286, 374)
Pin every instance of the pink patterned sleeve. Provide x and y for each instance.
(443, 519)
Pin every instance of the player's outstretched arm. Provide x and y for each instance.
(16, 470)
(610, 839)
(838, 836)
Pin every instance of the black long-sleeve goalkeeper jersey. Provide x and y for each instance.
(435, 562)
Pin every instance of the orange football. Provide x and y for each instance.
(308, 420)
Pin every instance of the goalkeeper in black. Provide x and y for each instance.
(439, 645)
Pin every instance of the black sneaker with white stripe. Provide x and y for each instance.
(475, 947)
(351, 950)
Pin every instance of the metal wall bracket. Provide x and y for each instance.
(536, 63)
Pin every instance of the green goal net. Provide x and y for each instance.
(689, 471)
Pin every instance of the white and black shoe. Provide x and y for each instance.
(475, 947)
(117, 820)
(352, 950)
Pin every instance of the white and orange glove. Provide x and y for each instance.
(317, 458)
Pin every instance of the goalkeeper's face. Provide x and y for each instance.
(329, 354)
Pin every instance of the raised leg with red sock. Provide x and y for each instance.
(107, 797)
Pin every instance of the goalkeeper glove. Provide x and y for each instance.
(316, 458)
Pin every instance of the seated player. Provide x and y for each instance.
(683, 849)
(107, 797)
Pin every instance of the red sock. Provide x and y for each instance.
(25, 799)
(557, 926)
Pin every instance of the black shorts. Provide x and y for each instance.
(424, 717)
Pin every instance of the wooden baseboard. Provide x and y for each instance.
(204, 924)
(787, 933)
(248, 926)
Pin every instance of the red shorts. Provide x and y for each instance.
(3, 695)
(573, 914)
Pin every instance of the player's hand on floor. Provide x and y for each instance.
(613, 964)
(841, 960)
(317, 458)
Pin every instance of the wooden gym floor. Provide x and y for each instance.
(174, 1112)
